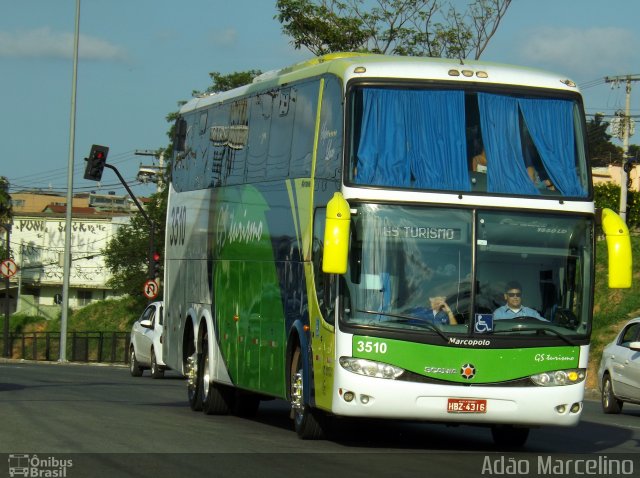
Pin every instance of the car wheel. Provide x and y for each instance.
(308, 422)
(156, 370)
(134, 366)
(610, 403)
(216, 398)
(507, 436)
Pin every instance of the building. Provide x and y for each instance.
(612, 174)
(37, 243)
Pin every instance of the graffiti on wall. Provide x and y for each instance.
(41, 244)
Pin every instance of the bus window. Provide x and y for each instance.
(403, 256)
(259, 127)
(281, 134)
(549, 255)
(303, 129)
(427, 139)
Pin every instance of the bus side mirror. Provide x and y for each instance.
(336, 235)
(619, 249)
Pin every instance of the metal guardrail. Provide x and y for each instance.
(105, 347)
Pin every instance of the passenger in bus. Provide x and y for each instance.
(479, 162)
(513, 308)
(438, 312)
(535, 169)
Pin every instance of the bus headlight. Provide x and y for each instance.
(559, 377)
(370, 368)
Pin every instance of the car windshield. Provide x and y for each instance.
(412, 269)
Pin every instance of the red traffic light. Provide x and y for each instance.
(95, 162)
(156, 256)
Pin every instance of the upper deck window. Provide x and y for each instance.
(467, 141)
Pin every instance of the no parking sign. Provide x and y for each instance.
(8, 268)
(151, 289)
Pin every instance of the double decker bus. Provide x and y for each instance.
(317, 214)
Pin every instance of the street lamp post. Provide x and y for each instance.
(7, 285)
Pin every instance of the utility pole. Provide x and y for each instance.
(624, 133)
(152, 173)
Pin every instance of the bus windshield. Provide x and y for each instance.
(478, 142)
(411, 269)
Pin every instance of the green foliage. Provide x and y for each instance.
(608, 195)
(228, 82)
(127, 254)
(112, 315)
(18, 322)
(399, 27)
(601, 150)
(323, 28)
(6, 211)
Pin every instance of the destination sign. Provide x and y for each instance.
(420, 232)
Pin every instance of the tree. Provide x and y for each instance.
(601, 150)
(228, 82)
(127, 254)
(402, 27)
(6, 211)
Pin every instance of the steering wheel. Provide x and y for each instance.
(565, 318)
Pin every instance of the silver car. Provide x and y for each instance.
(145, 350)
(619, 374)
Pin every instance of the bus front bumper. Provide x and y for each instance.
(359, 396)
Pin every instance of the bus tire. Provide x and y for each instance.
(508, 436)
(610, 403)
(193, 368)
(306, 420)
(215, 397)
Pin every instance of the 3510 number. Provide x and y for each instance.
(178, 226)
(369, 346)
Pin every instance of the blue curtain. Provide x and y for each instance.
(506, 171)
(550, 124)
(413, 135)
(382, 150)
(436, 139)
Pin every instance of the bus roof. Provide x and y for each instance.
(373, 66)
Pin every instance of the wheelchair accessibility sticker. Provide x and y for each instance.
(483, 323)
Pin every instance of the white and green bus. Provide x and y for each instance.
(317, 215)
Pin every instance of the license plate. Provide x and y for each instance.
(466, 405)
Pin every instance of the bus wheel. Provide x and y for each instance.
(192, 371)
(215, 398)
(610, 403)
(306, 420)
(507, 436)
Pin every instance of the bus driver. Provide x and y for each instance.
(514, 308)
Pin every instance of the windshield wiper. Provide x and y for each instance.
(407, 318)
(524, 328)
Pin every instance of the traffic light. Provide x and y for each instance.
(156, 266)
(95, 162)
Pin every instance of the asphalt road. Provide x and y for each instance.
(114, 425)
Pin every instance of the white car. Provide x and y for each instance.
(619, 374)
(145, 350)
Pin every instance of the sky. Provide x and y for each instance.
(139, 58)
